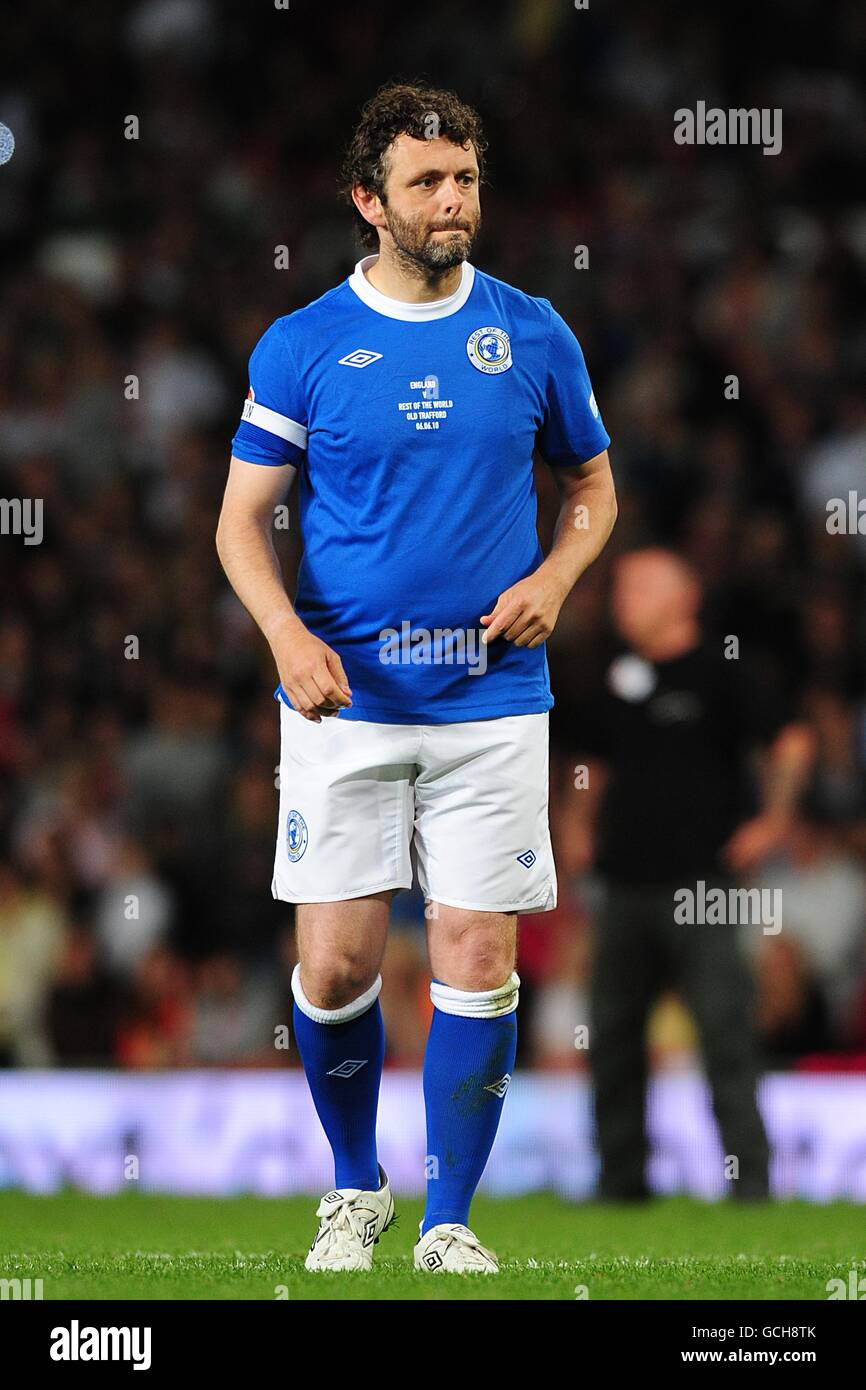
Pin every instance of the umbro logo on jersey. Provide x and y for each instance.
(349, 1067)
(499, 1087)
(361, 357)
(527, 858)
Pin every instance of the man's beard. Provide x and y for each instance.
(416, 245)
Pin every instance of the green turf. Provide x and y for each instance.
(140, 1246)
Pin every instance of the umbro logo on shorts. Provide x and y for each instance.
(361, 357)
(349, 1067)
(527, 858)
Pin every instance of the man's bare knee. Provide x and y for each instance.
(340, 946)
(333, 984)
(471, 950)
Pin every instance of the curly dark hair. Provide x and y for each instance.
(402, 108)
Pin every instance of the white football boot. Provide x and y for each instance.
(351, 1223)
(455, 1250)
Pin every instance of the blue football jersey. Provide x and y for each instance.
(412, 427)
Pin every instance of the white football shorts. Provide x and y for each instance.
(465, 803)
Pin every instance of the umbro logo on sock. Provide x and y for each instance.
(499, 1087)
(349, 1067)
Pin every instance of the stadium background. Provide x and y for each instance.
(155, 258)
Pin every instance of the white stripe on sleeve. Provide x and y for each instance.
(266, 419)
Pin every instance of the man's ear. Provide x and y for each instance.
(369, 205)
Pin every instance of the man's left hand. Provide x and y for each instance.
(526, 613)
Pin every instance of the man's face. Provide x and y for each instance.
(431, 204)
(650, 594)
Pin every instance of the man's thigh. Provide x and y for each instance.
(628, 960)
(482, 838)
(342, 943)
(714, 975)
(346, 809)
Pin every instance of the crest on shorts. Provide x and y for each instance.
(296, 835)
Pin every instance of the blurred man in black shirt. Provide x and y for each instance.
(669, 806)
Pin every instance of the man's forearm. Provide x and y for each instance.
(786, 771)
(248, 557)
(586, 519)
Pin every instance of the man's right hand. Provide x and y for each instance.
(311, 674)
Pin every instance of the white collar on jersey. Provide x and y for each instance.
(404, 309)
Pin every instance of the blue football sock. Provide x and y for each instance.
(467, 1068)
(343, 1064)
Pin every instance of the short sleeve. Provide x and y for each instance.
(273, 427)
(572, 431)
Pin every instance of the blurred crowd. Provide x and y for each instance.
(722, 316)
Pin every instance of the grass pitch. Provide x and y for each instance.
(150, 1247)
